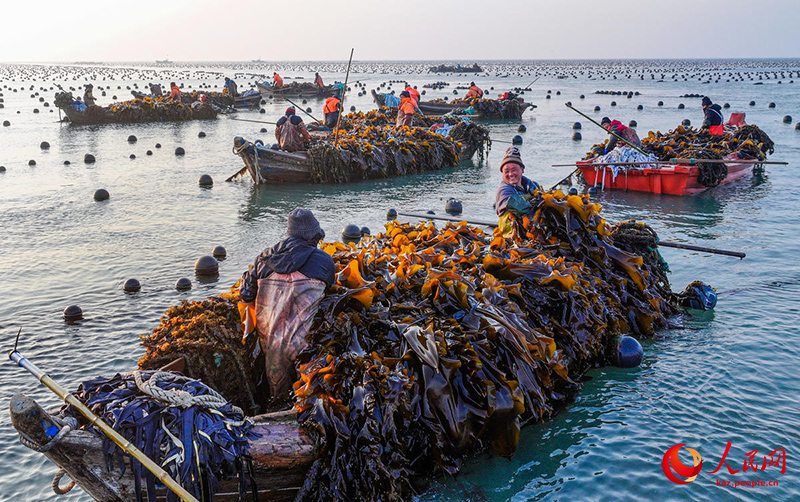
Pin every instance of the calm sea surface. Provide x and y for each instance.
(728, 376)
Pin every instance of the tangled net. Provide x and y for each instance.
(436, 342)
(146, 109)
(205, 333)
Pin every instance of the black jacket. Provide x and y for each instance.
(713, 115)
(287, 256)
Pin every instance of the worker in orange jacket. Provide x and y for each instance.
(405, 114)
(174, 92)
(333, 105)
(318, 81)
(474, 91)
(278, 81)
(413, 93)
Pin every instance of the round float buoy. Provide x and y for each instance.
(205, 180)
(101, 194)
(35, 110)
(201, 134)
(131, 286)
(597, 108)
(73, 313)
(660, 103)
(576, 125)
(522, 128)
(263, 129)
(44, 145)
(132, 139)
(365, 231)
(680, 106)
(573, 191)
(576, 136)
(183, 284)
(6, 123)
(516, 140)
(262, 111)
(219, 252)
(686, 122)
(640, 107)
(132, 156)
(787, 119)
(2, 169)
(31, 162)
(629, 352)
(632, 123)
(453, 206)
(726, 105)
(158, 145)
(391, 214)
(351, 233)
(89, 158)
(797, 126)
(149, 152)
(547, 97)
(206, 265)
(180, 151)
(305, 101)
(582, 96)
(613, 103)
(592, 190)
(771, 105)
(66, 162)
(352, 108)
(752, 103)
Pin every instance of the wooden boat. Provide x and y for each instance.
(296, 90)
(503, 109)
(668, 179)
(282, 455)
(455, 69)
(132, 112)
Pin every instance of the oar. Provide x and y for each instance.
(302, 110)
(606, 130)
(123, 443)
(494, 224)
(255, 121)
(533, 82)
(237, 173)
(341, 101)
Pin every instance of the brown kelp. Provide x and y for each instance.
(436, 342)
(146, 109)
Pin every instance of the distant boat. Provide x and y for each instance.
(257, 61)
(163, 61)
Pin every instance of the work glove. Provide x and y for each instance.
(518, 205)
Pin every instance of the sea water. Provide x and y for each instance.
(725, 377)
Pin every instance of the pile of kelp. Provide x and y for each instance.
(369, 146)
(206, 335)
(145, 109)
(495, 109)
(437, 342)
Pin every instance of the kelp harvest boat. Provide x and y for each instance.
(685, 161)
(298, 90)
(442, 68)
(222, 100)
(147, 109)
(367, 147)
(479, 109)
(434, 343)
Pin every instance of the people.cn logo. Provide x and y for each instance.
(671, 463)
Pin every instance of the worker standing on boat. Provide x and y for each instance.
(405, 113)
(413, 93)
(291, 132)
(174, 92)
(277, 80)
(627, 133)
(333, 105)
(318, 81)
(88, 97)
(515, 191)
(230, 86)
(281, 292)
(713, 117)
(474, 91)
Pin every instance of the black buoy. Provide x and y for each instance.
(797, 126)
(640, 107)
(73, 313)
(351, 233)
(613, 103)
(101, 194)
(787, 119)
(726, 105)
(201, 134)
(180, 151)
(771, 105)
(2, 169)
(365, 231)
(582, 96)
(305, 101)
(66, 162)
(453, 206)
(352, 108)
(576, 136)
(516, 140)
(149, 152)
(158, 145)
(632, 123)
(573, 191)
(219, 252)
(597, 108)
(31, 162)
(263, 129)
(206, 265)
(44, 145)
(132, 139)
(262, 111)
(660, 103)
(629, 352)
(205, 180)
(131, 286)
(132, 156)
(391, 214)
(89, 158)
(6, 123)
(680, 106)
(686, 122)
(183, 284)
(522, 128)
(576, 125)
(752, 103)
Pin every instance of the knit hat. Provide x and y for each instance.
(706, 101)
(303, 225)
(512, 156)
(405, 94)
(290, 110)
(605, 120)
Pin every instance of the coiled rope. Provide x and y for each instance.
(178, 397)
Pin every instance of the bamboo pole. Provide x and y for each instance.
(673, 162)
(341, 101)
(606, 130)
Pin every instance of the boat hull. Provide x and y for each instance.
(670, 180)
(290, 92)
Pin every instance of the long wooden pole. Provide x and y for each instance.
(606, 130)
(123, 443)
(341, 102)
(494, 224)
(673, 162)
(301, 109)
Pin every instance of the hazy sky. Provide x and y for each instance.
(201, 30)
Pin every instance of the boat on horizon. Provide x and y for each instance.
(163, 61)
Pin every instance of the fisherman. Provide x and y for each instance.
(405, 113)
(627, 134)
(291, 132)
(318, 81)
(514, 192)
(333, 105)
(155, 90)
(281, 293)
(713, 117)
(88, 97)
(174, 92)
(277, 80)
(413, 93)
(474, 91)
(230, 86)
